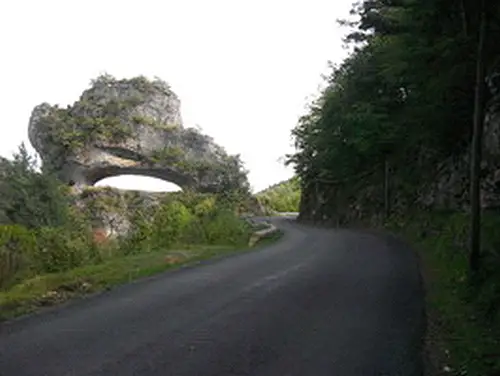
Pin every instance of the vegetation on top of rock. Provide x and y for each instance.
(227, 169)
(131, 124)
(141, 83)
(146, 120)
(101, 114)
(72, 133)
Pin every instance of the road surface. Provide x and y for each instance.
(319, 302)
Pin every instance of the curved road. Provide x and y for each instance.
(319, 302)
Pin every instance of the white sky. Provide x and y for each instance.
(242, 69)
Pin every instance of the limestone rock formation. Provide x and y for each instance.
(130, 126)
(115, 211)
(451, 190)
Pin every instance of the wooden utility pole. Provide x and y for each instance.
(476, 152)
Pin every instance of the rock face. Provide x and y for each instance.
(451, 190)
(115, 211)
(131, 126)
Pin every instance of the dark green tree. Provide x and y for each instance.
(29, 197)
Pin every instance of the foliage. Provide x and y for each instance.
(398, 100)
(140, 83)
(146, 120)
(16, 243)
(222, 228)
(47, 229)
(71, 129)
(29, 198)
(169, 223)
(469, 319)
(58, 249)
(281, 197)
(171, 155)
(189, 218)
(391, 114)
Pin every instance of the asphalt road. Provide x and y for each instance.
(319, 302)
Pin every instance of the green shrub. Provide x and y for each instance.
(205, 207)
(167, 227)
(187, 218)
(28, 197)
(224, 227)
(58, 249)
(45, 229)
(17, 243)
(169, 223)
(139, 238)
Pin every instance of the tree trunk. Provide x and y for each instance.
(465, 22)
(476, 154)
(387, 205)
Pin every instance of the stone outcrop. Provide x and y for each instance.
(128, 127)
(131, 126)
(451, 190)
(115, 212)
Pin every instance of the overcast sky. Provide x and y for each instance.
(242, 69)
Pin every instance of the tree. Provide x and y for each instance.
(476, 150)
(28, 197)
(403, 99)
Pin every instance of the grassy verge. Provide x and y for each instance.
(50, 289)
(463, 336)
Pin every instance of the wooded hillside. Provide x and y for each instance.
(406, 135)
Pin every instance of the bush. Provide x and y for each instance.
(167, 227)
(169, 223)
(205, 207)
(188, 219)
(44, 250)
(17, 243)
(45, 230)
(31, 198)
(58, 249)
(225, 228)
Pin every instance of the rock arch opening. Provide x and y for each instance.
(138, 183)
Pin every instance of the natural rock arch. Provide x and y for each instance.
(133, 127)
(138, 183)
(90, 175)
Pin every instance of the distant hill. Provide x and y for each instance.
(281, 197)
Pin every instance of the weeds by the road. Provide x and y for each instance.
(50, 289)
(464, 318)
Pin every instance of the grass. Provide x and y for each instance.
(463, 321)
(51, 289)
